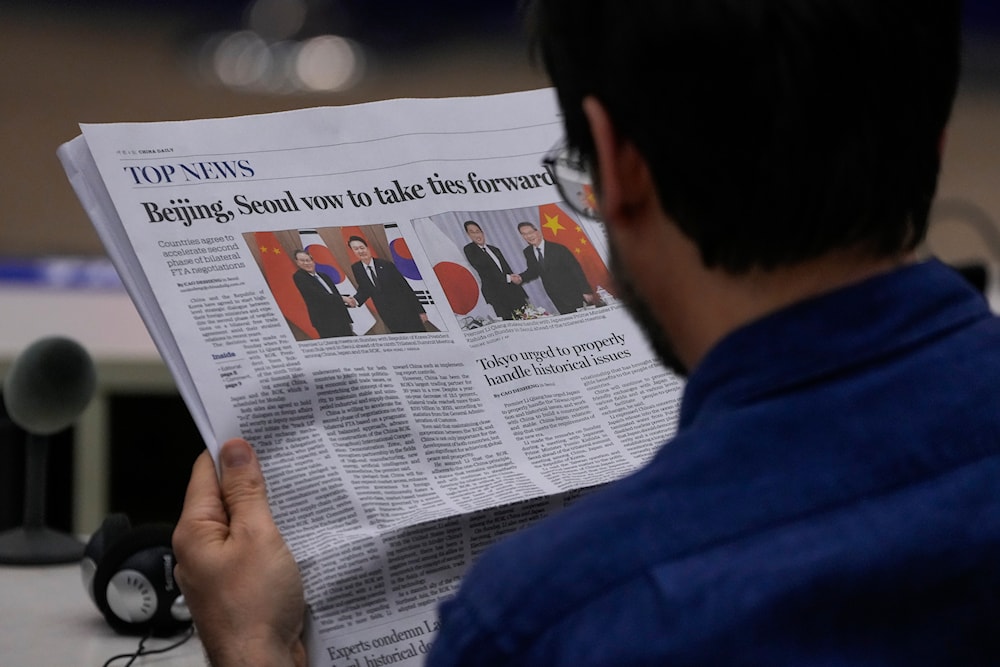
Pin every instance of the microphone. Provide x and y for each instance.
(46, 389)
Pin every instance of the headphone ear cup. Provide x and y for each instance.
(134, 585)
(113, 528)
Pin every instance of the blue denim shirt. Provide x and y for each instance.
(832, 497)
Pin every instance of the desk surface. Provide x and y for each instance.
(46, 618)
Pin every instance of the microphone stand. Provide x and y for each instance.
(34, 543)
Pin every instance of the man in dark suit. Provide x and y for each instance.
(562, 276)
(382, 282)
(500, 285)
(326, 306)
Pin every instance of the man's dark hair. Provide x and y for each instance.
(300, 251)
(473, 223)
(776, 130)
(358, 239)
(525, 224)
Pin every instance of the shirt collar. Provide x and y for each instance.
(828, 333)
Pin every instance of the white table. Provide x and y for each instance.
(46, 618)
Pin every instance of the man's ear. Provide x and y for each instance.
(625, 184)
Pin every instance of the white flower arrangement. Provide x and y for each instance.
(529, 312)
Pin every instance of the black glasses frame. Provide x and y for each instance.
(572, 179)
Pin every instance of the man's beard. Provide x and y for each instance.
(643, 315)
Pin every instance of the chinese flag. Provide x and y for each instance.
(559, 227)
(278, 269)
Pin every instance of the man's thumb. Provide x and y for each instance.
(242, 482)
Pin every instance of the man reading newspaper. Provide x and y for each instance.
(765, 170)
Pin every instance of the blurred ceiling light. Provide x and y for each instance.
(276, 19)
(281, 79)
(329, 63)
(242, 59)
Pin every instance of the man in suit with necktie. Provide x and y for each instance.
(562, 276)
(500, 285)
(382, 282)
(327, 308)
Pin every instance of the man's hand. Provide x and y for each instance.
(236, 573)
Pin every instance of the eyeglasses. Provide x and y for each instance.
(572, 179)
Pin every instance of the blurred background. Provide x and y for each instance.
(71, 61)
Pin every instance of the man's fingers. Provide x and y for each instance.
(242, 484)
(202, 501)
(203, 514)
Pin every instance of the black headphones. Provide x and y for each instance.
(129, 574)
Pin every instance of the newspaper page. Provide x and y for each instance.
(358, 291)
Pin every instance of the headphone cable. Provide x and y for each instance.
(141, 649)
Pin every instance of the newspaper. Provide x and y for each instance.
(394, 452)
